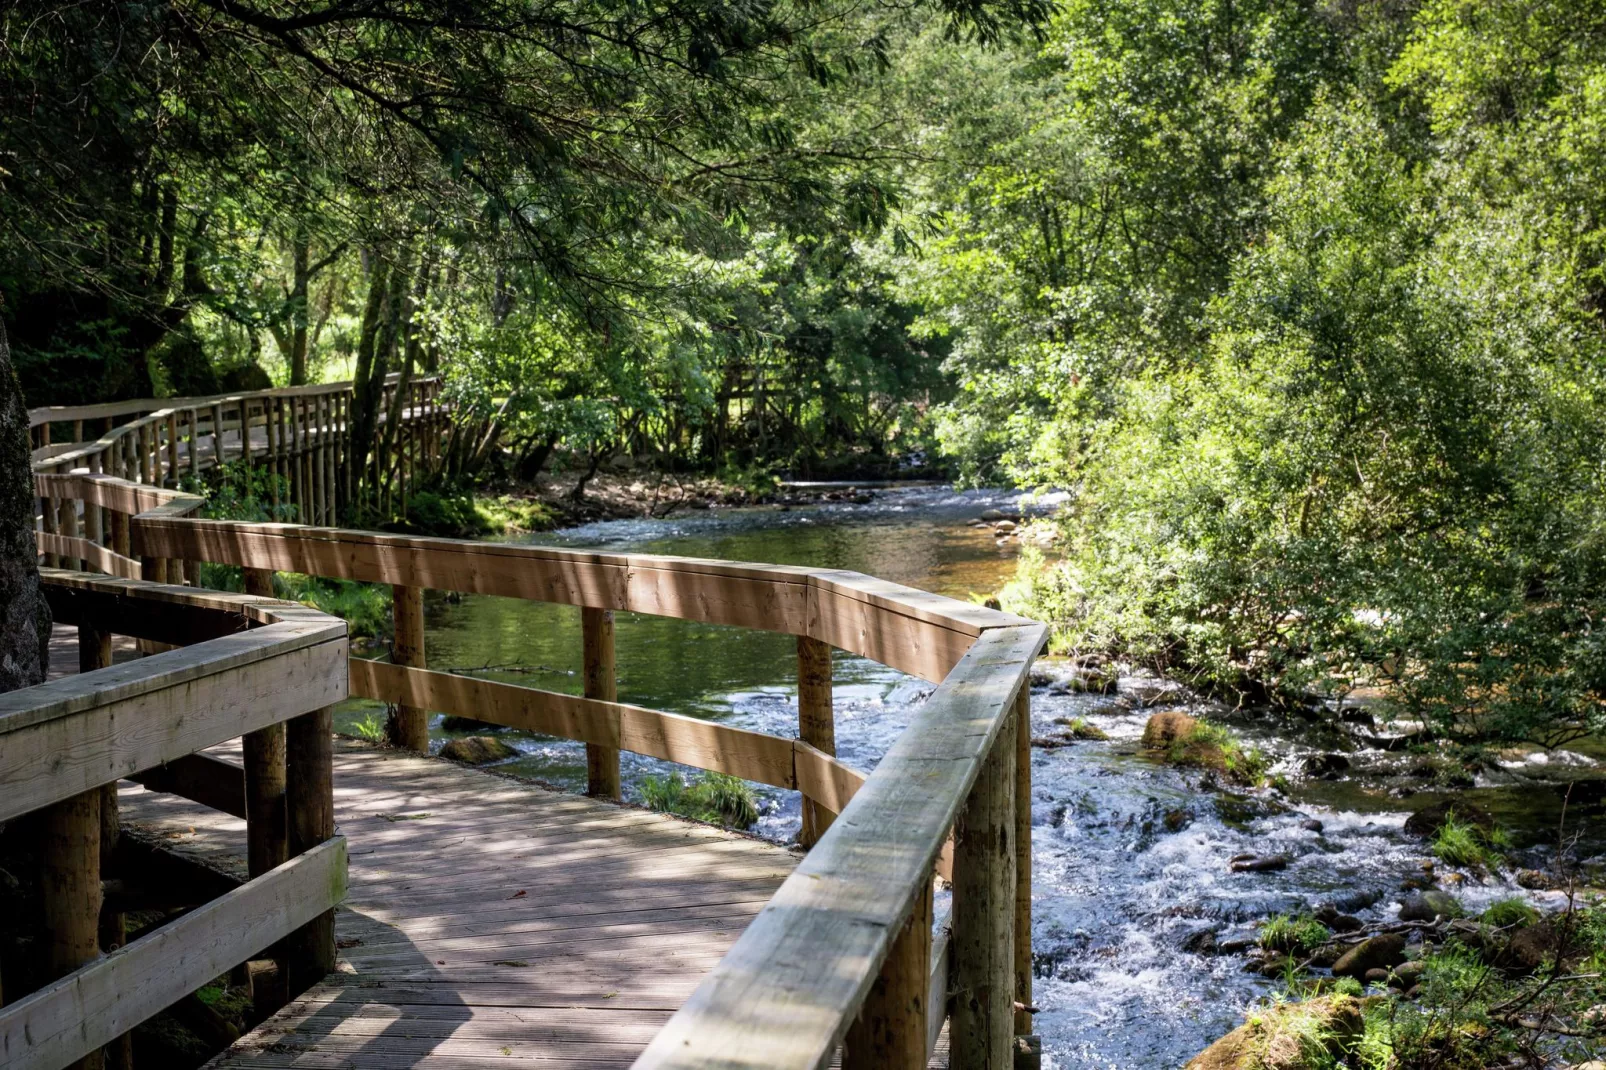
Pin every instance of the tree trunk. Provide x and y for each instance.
(369, 376)
(24, 614)
(302, 276)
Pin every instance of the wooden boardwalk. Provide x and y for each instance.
(492, 922)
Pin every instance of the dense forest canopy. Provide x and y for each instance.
(1301, 300)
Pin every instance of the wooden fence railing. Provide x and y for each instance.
(847, 953)
(252, 666)
(298, 433)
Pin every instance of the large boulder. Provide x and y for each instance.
(478, 750)
(1381, 952)
(1166, 727)
(1291, 1036)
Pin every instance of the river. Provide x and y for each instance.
(1130, 859)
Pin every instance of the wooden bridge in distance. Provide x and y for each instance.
(485, 922)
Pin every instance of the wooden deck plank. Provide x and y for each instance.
(512, 926)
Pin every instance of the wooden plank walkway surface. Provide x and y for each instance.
(492, 922)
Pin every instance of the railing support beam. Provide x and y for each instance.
(890, 1031)
(267, 837)
(409, 725)
(1023, 861)
(982, 1030)
(602, 763)
(311, 802)
(816, 723)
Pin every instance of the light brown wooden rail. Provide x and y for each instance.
(847, 955)
(298, 434)
(256, 666)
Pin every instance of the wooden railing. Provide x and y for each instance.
(847, 953)
(253, 666)
(303, 440)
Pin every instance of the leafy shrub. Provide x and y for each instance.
(239, 491)
(365, 607)
(371, 728)
(507, 515)
(713, 797)
(1298, 934)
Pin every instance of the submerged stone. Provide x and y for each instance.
(477, 750)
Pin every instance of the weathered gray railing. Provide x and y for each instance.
(847, 953)
(257, 667)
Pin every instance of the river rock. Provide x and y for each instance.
(1407, 974)
(1202, 942)
(1535, 880)
(1431, 904)
(1527, 949)
(1165, 728)
(1005, 527)
(1428, 820)
(1379, 952)
(1259, 864)
(993, 516)
(1311, 824)
(1345, 923)
(1275, 1037)
(477, 750)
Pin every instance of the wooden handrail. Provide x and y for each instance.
(254, 662)
(853, 924)
(56, 414)
(834, 920)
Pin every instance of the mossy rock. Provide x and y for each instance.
(478, 750)
(1290, 1036)
(1430, 819)
(1166, 728)
(1382, 952)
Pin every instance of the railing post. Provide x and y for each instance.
(71, 891)
(311, 800)
(602, 763)
(270, 427)
(172, 448)
(95, 652)
(217, 436)
(94, 522)
(982, 1030)
(409, 726)
(816, 724)
(267, 836)
(1023, 861)
(68, 521)
(890, 1031)
(48, 515)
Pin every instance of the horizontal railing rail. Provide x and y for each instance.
(254, 666)
(854, 957)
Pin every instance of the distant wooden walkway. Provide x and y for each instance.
(495, 923)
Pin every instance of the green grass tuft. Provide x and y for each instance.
(1295, 934)
(713, 797)
(1512, 911)
(1464, 844)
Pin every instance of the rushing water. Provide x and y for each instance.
(1131, 859)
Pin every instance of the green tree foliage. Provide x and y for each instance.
(1334, 414)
